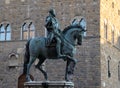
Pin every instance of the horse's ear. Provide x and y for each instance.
(81, 20)
(82, 23)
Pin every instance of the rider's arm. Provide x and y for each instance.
(47, 21)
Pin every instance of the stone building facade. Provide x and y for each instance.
(19, 16)
(110, 43)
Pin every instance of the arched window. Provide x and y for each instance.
(118, 41)
(113, 29)
(105, 29)
(112, 4)
(2, 32)
(8, 32)
(119, 71)
(5, 32)
(31, 30)
(28, 30)
(108, 63)
(118, 12)
(24, 31)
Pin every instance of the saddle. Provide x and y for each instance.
(51, 48)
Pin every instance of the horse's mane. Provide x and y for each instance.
(70, 27)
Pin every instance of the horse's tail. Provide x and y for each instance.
(26, 57)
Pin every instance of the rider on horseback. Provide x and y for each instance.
(54, 31)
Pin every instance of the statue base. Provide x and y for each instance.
(48, 84)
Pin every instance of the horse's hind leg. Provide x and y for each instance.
(32, 59)
(40, 67)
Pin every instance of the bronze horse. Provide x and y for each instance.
(36, 48)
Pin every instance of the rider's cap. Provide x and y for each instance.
(52, 12)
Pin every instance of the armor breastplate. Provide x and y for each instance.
(52, 24)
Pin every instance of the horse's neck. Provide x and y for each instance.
(69, 35)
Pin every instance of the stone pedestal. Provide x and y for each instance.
(48, 84)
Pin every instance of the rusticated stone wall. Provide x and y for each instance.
(87, 71)
(110, 43)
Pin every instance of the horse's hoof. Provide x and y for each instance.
(28, 80)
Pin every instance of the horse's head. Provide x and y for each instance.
(75, 32)
(82, 31)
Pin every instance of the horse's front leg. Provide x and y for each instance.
(32, 59)
(72, 59)
(69, 70)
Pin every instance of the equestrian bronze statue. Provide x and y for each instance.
(58, 45)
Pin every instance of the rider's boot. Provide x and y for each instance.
(49, 39)
(48, 42)
(59, 52)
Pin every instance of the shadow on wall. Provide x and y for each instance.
(118, 43)
(110, 63)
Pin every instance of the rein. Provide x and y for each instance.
(66, 41)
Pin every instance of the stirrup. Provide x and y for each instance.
(62, 56)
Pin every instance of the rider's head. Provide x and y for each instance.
(52, 12)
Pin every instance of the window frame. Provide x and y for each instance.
(26, 27)
(108, 66)
(119, 70)
(105, 29)
(113, 34)
(6, 31)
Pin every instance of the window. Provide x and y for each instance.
(108, 63)
(2, 32)
(112, 4)
(7, 1)
(8, 32)
(32, 30)
(118, 12)
(28, 30)
(24, 31)
(105, 29)
(5, 32)
(119, 71)
(118, 40)
(113, 34)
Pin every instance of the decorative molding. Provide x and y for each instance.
(13, 54)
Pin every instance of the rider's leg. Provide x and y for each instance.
(50, 37)
(58, 48)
